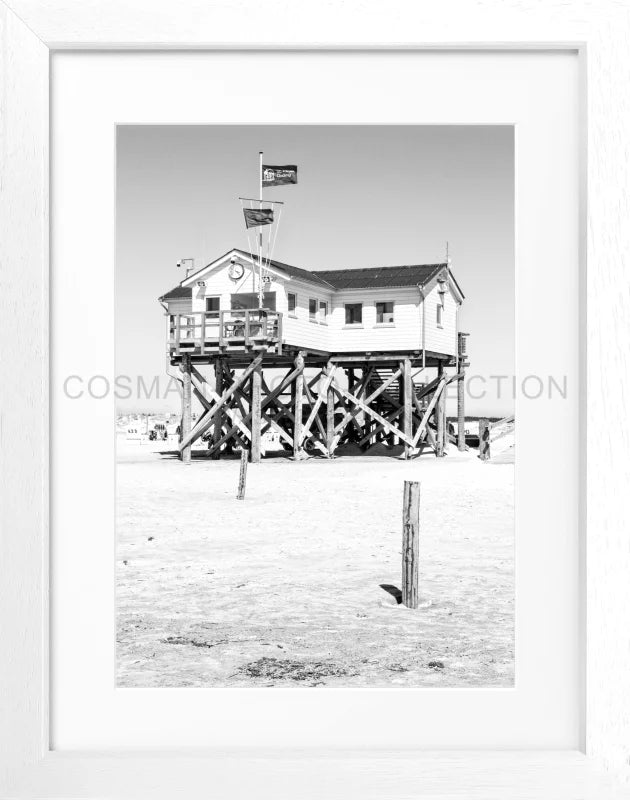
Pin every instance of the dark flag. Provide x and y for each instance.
(279, 176)
(258, 216)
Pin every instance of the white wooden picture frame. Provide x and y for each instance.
(30, 30)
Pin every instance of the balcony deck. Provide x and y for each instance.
(207, 333)
(240, 335)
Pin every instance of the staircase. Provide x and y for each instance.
(381, 375)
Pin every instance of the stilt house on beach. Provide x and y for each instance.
(377, 341)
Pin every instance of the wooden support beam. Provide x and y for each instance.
(203, 392)
(391, 417)
(201, 429)
(484, 439)
(405, 368)
(185, 448)
(439, 415)
(345, 405)
(256, 414)
(370, 412)
(411, 544)
(330, 409)
(354, 411)
(504, 421)
(217, 421)
(265, 402)
(299, 387)
(461, 416)
(427, 389)
(425, 419)
(315, 406)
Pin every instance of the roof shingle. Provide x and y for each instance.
(179, 292)
(381, 277)
(407, 275)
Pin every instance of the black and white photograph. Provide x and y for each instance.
(315, 417)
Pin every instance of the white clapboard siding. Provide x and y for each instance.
(298, 329)
(219, 284)
(330, 333)
(180, 305)
(405, 334)
(444, 339)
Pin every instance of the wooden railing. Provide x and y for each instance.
(204, 332)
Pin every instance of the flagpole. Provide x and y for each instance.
(260, 235)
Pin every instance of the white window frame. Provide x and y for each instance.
(391, 324)
(439, 312)
(292, 313)
(209, 311)
(313, 315)
(323, 318)
(353, 324)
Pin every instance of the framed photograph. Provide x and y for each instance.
(299, 503)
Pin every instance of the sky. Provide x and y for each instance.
(367, 196)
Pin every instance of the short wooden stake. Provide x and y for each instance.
(411, 544)
(242, 477)
(484, 439)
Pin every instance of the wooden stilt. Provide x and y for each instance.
(461, 417)
(411, 544)
(440, 416)
(330, 414)
(256, 414)
(484, 439)
(405, 366)
(218, 417)
(299, 388)
(186, 453)
(200, 429)
(286, 381)
(380, 405)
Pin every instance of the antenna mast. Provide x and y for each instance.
(260, 235)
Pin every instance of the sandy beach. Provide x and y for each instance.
(284, 587)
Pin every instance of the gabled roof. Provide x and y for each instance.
(293, 272)
(179, 292)
(382, 277)
(408, 275)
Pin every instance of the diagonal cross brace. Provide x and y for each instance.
(203, 425)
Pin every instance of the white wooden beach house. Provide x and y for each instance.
(358, 347)
(403, 309)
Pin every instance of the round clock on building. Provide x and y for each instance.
(236, 271)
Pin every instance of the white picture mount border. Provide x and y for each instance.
(29, 31)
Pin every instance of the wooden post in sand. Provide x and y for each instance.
(242, 477)
(484, 439)
(186, 407)
(410, 544)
